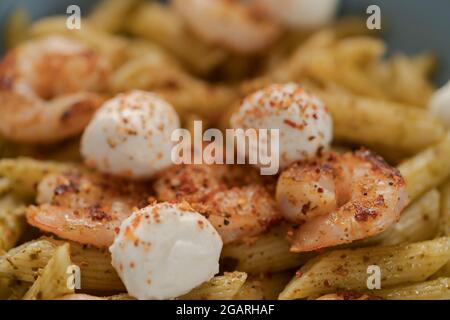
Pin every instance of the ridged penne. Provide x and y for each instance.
(53, 281)
(269, 253)
(438, 289)
(264, 286)
(157, 23)
(250, 290)
(25, 261)
(444, 217)
(24, 173)
(12, 221)
(368, 122)
(427, 169)
(97, 274)
(218, 288)
(344, 270)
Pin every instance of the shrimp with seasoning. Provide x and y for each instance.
(228, 23)
(49, 90)
(85, 207)
(337, 199)
(238, 209)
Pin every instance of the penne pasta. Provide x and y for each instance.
(25, 262)
(342, 64)
(438, 289)
(24, 173)
(250, 290)
(17, 289)
(12, 221)
(186, 93)
(409, 85)
(368, 122)
(97, 273)
(273, 283)
(218, 288)
(53, 281)
(444, 217)
(269, 253)
(427, 169)
(348, 269)
(157, 23)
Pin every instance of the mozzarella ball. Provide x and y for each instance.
(304, 123)
(130, 136)
(300, 14)
(440, 104)
(165, 250)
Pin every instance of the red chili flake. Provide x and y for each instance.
(293, 124)
(97, 214)
(306, 207)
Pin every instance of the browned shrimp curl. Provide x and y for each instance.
(238, 208)
(337, 199)
(49, 90)
(85, 207)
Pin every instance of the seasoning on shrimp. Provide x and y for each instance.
(85, 207)
(338, 199)
(49, 90)
(237, 212)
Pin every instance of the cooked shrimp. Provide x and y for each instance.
(237, 210)
(228, 23)
(298, 14)
(49, 89)
(85, 207)
(240, 213)
(349, 296)
(338, 199)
